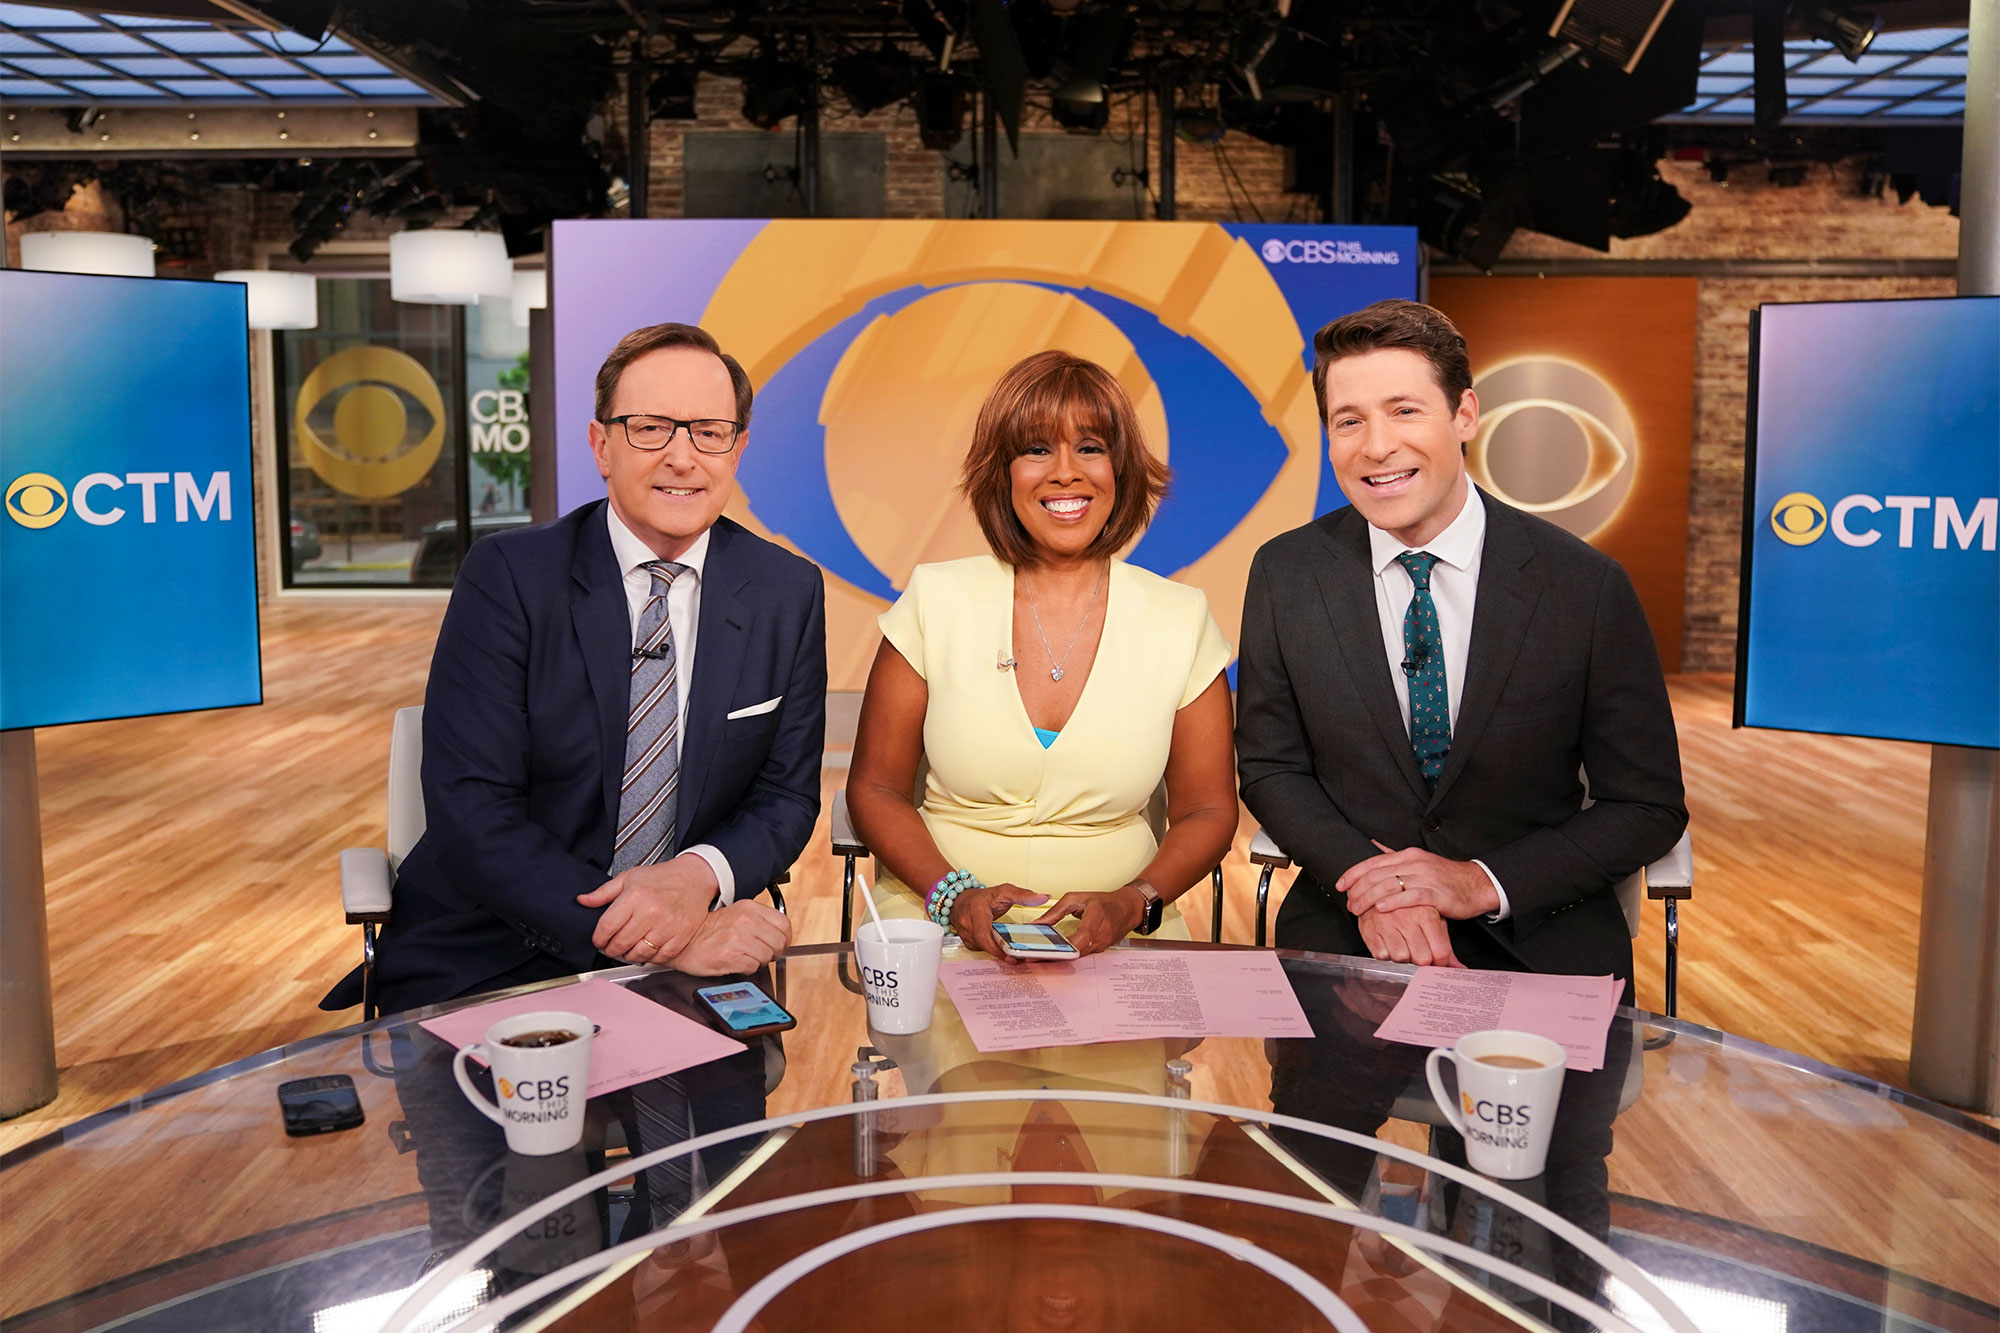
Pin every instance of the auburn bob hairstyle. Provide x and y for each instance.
(1050, 396)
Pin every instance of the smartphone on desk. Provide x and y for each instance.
(319, 1105)
(744, 1010)
(1032, 940)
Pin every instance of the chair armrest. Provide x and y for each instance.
(845, 843)
(1672, 876)
(364, 885)
(1266, 852)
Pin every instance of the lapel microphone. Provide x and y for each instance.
(1002, 662)
(1415, 661)
(659, 654)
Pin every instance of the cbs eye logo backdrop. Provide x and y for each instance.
(1586, 416)
(1871, 531)
(369, 421)
(127, 565)
(872, 345)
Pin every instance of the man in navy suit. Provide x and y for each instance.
(625, 715)
(1425, 677)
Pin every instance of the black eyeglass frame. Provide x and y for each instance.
(675, 426)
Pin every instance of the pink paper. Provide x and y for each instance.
(1124, 995)
(636, 1038)
(1442, 1004)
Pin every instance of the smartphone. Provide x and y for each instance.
(319, 1105)
(1032, 940)
(745, 1010)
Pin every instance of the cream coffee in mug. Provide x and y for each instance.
(541, 1069)
(899, 961)
(1508, 1087)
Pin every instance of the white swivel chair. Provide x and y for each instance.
(367, 873)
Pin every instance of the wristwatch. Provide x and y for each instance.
(1149, 920)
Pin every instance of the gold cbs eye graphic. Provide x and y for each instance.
(1556, 440)
(1798, 519)
(370, 421)
(35, 500)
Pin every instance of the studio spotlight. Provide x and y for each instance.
(1850, 30)
(774, 91)
(671, 96)
(1079, 105)
(871, 80)
(941, 107)
(1200, 125)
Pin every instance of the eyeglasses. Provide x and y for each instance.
(653, 434)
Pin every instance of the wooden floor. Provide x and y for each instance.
(193, 895)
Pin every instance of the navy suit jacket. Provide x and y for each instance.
(524, 745)
(1560, 674)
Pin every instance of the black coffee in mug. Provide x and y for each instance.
(540, 1037)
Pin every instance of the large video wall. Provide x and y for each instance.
(872, 343)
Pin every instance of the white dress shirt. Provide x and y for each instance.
(1454, 590)
(684, 614)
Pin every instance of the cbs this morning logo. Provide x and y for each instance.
(1800, 519)
(1276, 251)
(38, 500)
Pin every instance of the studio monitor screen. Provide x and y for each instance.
(1871, 583)
(128, 579)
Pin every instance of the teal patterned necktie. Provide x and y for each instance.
(1423, 663)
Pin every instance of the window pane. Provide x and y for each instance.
(371, 431)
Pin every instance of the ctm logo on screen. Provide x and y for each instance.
(37, 500)
(1800, 519)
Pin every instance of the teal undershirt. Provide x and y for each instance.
(1046, 737)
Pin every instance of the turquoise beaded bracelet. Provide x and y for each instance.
(944, 894)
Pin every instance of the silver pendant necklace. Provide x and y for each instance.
(1056, 663)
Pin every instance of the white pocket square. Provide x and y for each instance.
(754, 709)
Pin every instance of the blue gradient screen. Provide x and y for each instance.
(1871, 605)
(128, 578)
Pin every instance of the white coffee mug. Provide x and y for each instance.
(542, 1087)
(1508, 1087)
(899, 972)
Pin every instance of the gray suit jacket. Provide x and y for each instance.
(1560, 675)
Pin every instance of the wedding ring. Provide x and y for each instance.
(1399, 882)
(649, 944)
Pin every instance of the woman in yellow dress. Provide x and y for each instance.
(1049, 687)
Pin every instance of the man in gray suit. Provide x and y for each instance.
(1426, 675)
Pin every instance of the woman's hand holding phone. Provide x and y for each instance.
(975, 911)
(1106, 918)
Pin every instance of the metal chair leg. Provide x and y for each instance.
(778, 900)
(847, 899)
(1673, 957)
(1263, 902)
(368, 1010)
(1215, 907)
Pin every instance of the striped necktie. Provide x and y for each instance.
(1423, 664)
(647, 795)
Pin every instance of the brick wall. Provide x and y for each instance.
(1239, 179)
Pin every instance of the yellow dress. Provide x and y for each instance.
(1071, 817)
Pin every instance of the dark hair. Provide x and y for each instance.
(651, 339)
(1042, 398)
(1390, 324)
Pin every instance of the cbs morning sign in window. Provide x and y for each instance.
(128, 578)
